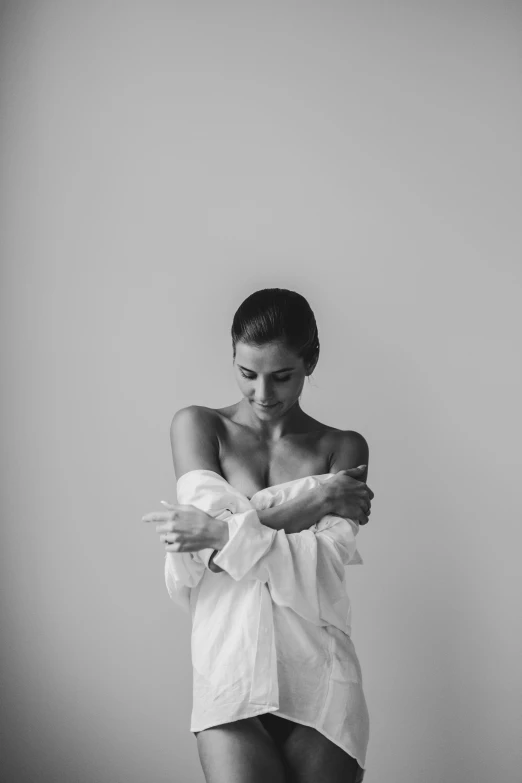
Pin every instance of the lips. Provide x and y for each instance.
(267, 406)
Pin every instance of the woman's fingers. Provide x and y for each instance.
(169, 538)
(161, 516)
(172, 541)
(165, 521)
(367, 493)
(365, 513)
(157, 516)
(166, 527)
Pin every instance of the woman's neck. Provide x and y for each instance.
(273, 429)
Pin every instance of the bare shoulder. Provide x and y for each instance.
(195, 416)
(348, 449)
(194, 439)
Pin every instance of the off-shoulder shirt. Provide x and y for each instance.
(271, 632)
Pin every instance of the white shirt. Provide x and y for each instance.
(271, 632)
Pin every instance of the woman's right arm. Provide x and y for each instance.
(300, 513)
(345, 494)
(195, 446)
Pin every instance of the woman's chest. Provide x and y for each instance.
(250, 465)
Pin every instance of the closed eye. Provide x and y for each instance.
(277, 380)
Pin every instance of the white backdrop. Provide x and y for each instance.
(159, 162)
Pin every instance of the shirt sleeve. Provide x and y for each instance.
(183, 571)
(211, 493)
(304, 571)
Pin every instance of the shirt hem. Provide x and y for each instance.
(324, 733)
(264, 711)
(211, 725)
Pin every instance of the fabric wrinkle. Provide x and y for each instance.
(271, 632)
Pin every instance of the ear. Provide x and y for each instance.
(311, 366)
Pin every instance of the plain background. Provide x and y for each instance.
(160, 161)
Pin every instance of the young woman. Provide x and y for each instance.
(261, 443)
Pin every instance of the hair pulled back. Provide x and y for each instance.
(277, 314)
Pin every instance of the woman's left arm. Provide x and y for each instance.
(348, 449)
(305, 570)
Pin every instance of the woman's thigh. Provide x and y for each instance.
(312, 758)
(239, 752)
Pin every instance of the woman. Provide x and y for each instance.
(266, 443)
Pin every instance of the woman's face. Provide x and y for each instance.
(270, 376)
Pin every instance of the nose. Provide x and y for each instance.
(263, 391)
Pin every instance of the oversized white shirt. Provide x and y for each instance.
(271, 632)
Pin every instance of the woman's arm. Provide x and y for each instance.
(305, 571)
(300, 513)
(195, 446)
(348, 450)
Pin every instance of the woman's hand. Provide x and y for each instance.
(347, 496)
(188, 529)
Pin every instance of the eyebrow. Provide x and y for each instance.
(283, 369)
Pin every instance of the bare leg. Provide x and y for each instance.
(239, 752)
(312, 758)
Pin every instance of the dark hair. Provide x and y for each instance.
(276, 314)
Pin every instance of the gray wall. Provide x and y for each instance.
(159, 162)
